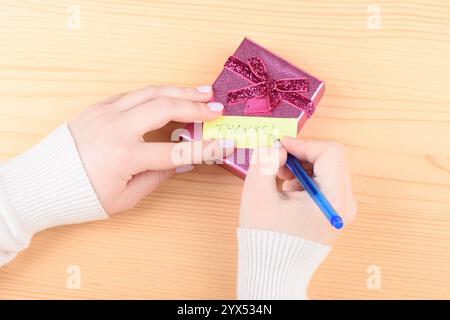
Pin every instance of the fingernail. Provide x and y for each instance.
(184, 169)
(215, 106)
(225, 144)
(204, 89)
(276, 144)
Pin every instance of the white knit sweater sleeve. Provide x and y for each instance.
(47, 186)
(44, 187)
(274, 265)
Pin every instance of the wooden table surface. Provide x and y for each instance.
(387, 69)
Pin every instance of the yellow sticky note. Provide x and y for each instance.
(250, 132)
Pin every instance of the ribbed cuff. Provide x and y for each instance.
(273, 265)
(48, 186)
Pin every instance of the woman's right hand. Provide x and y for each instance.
(291, 210)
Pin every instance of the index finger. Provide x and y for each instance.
(157, 113)
(140, 96)
(329, 165)
(326, 156)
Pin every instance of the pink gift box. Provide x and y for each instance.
(256, 82)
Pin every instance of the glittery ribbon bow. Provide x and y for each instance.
(276, 90)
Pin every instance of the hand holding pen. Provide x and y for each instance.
(294, 165)
(290, 209)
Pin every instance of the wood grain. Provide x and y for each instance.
(387, 100)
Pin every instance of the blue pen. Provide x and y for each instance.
(313, 190)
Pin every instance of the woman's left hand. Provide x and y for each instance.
(122, 167)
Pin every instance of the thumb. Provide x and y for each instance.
(264, 166)
(139, 187)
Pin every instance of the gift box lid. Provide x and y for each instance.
(257, 82)
(278, 72)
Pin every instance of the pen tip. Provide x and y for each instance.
(337, 222)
